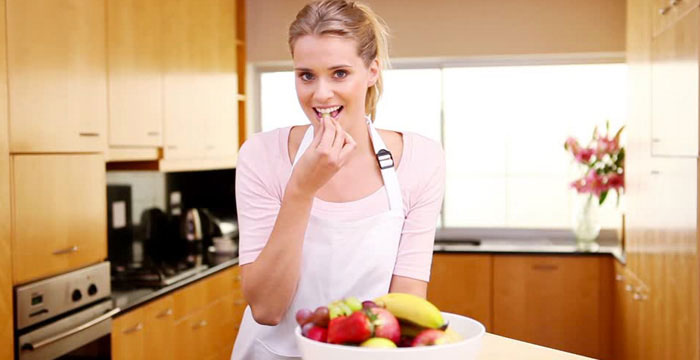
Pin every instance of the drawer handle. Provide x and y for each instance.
(153, 133)
(237, 278)
(134, 329)
(165, 313)
(656, 140)
(69, 250)
(239, 302)
(655, 172)
(545, 267)
(172, 147)
(89, 134)
(200, 324)
(664, 10)
(674, 2)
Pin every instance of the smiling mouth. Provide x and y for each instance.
(333, 111)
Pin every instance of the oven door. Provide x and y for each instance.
(63, 336)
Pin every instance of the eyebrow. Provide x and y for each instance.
(330, 68)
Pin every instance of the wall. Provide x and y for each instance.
(460, 28)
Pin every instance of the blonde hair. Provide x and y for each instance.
(352, 20)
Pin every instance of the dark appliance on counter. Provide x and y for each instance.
(120, 230)
(66, 316)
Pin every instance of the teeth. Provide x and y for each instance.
(327, 110)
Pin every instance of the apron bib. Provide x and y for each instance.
(339, 259)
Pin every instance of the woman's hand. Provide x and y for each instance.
(328, 153)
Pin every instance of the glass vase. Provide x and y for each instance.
(586, 224)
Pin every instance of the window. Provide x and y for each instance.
(502, 128)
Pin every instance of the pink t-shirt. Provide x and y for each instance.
(264, 169)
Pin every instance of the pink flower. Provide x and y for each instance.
(584, 155)
(572, 145)
(606, 146)
(616, 181)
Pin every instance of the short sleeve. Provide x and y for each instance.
(257, 203)
(427, 164)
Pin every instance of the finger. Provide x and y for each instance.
(328, 134)
(339, 139)
(347, 148)
(318, 131)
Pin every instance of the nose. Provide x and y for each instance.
(323, 91)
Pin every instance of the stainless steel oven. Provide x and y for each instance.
(65, 317)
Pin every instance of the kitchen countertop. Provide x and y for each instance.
(126, 299)
(553, 242)
(496, 347)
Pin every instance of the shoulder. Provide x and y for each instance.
(262, 147)
(422, 149)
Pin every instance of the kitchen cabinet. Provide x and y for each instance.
(563, 302)
(159, 323)
(127, 336)
(57, 70)
(199, 321)
(675, 83)
(134, 54)
(200, 81)
(59, 214)
(6, 305)
(461, 284)
(666, 13)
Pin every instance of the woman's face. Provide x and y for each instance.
(330, 75)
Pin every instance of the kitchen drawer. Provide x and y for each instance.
(59, 214)
(160, 323)
(204, 292)
(128, 340)
(198, 336)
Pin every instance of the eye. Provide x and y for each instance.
(306, 76)
(340, 74)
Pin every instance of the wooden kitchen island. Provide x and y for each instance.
(496, 347)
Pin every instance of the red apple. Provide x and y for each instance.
(429, 337)
(385, 324)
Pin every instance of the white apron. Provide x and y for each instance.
(339, 259)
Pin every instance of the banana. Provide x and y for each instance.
(413, 309)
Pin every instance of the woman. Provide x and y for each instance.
(335, 208)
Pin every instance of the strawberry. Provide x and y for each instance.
(318, 333)
(352, 329)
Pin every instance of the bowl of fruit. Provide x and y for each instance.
(393, 326)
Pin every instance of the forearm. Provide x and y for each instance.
(269, 283)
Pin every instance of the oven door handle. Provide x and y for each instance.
(53, 339)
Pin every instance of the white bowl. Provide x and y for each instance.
(471, 330)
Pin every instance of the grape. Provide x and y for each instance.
(321, 316)
(303, 316)
(368, 304)
(305, 329)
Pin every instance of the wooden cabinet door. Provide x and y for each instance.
(128, 340)
(554, 301)
(461, 284)
(219, 46)
(627, 329)
(160, 329)
(185, 92)
(60, 214)
(669, 262)
(134, 53)
(675, 81)
(200, 83)
(57, 75)
(666, 13)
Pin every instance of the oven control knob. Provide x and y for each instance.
(92, 289)
(77, 295)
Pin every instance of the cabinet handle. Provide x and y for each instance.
(165, 313)
(200, 324)
(655, 172)
(211, 147)
(134, 329)
(664, 10)
(69, 250)
(153, 133)
(237, 278)
(172, 147)
(655, 140)
(239, 302)
(89, 134)
(674, 2)
(545, 267)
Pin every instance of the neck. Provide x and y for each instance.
(359, 132)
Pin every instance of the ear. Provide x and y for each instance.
(373, 73)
